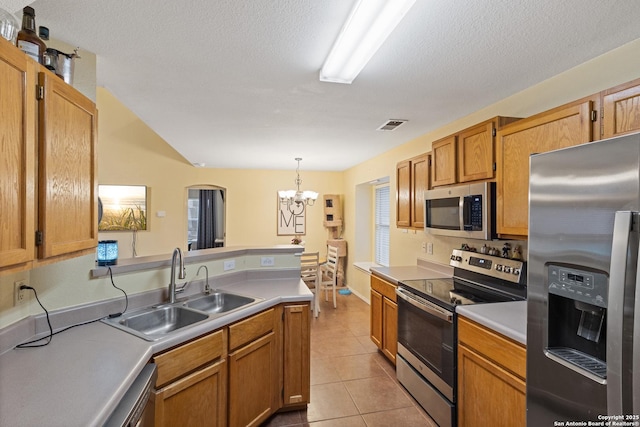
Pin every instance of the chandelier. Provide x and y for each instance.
(297, 198)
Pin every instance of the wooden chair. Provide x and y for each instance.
(310, 274)
(329, 277)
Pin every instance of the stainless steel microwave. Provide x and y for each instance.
(462, 211)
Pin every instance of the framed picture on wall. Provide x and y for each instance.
(124, 207)
(291, 219)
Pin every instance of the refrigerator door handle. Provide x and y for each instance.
(615, 309)
(635, 375)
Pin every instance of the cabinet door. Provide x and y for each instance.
(68, 186)
(443, 155)
(476, 153)
(17, 148)
(403, 194)
(621, 109)
(196, 400)
(419, 184)
(253, 382)
(296, 355)
(489, 393)
(558, 128)
(376, 318)
(390, 329)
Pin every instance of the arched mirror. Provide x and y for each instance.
(205, 217)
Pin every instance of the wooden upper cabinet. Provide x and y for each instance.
(17, 167)
(412, 180)
(444, 170)
(621, 109)
(561, 127)
(403, 194)
(475, 153)
(469, 155)
(48, 181)
(419, 184)
(67, 175)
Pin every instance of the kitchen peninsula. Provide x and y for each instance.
(80, 377)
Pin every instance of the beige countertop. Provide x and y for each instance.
(80, 377)
(506, 318)
(422, 270)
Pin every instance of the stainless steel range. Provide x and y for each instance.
(427, 331)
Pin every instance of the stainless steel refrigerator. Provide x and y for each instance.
(583, 330)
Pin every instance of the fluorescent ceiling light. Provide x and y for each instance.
(368, 26)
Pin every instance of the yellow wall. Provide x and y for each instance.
(131, 153)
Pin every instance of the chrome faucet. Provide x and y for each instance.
(181, 275)
(207, 289)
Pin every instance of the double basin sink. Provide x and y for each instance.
(157, 322)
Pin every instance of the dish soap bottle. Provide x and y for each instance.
(28, 41)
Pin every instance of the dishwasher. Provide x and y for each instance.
(130, 410)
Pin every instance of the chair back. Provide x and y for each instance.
(309, 264)
(332, 259)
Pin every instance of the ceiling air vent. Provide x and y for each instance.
(391, 125)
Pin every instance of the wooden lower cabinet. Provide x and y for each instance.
(384, 317)
(390, 329)
(198, 399)
(254, 384)
(252, 375)
(236, 376)
(491, 378)
(296, 356)
(376, 318)
(191, 384)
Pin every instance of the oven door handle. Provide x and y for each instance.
(425, 305)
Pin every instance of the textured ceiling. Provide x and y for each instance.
(234, 83)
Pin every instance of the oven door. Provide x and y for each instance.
(427, 332)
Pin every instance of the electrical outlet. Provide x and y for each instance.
(424, 246)
(430, 248)
(19, 295)
(267, 261)
(229, 264)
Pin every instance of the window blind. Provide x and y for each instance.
(382, 226)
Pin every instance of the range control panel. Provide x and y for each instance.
(501, 268)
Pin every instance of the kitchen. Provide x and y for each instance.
(120, 149)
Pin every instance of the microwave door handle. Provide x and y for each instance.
(615, 309)
(462, 205)
(425, 305)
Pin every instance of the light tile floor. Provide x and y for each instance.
(352, 383)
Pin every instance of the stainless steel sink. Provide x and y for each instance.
(157, 322)
(220, 302)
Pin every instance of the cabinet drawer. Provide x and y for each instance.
(184, 359)
(248, 330)
(387, 289)
(503, 351)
